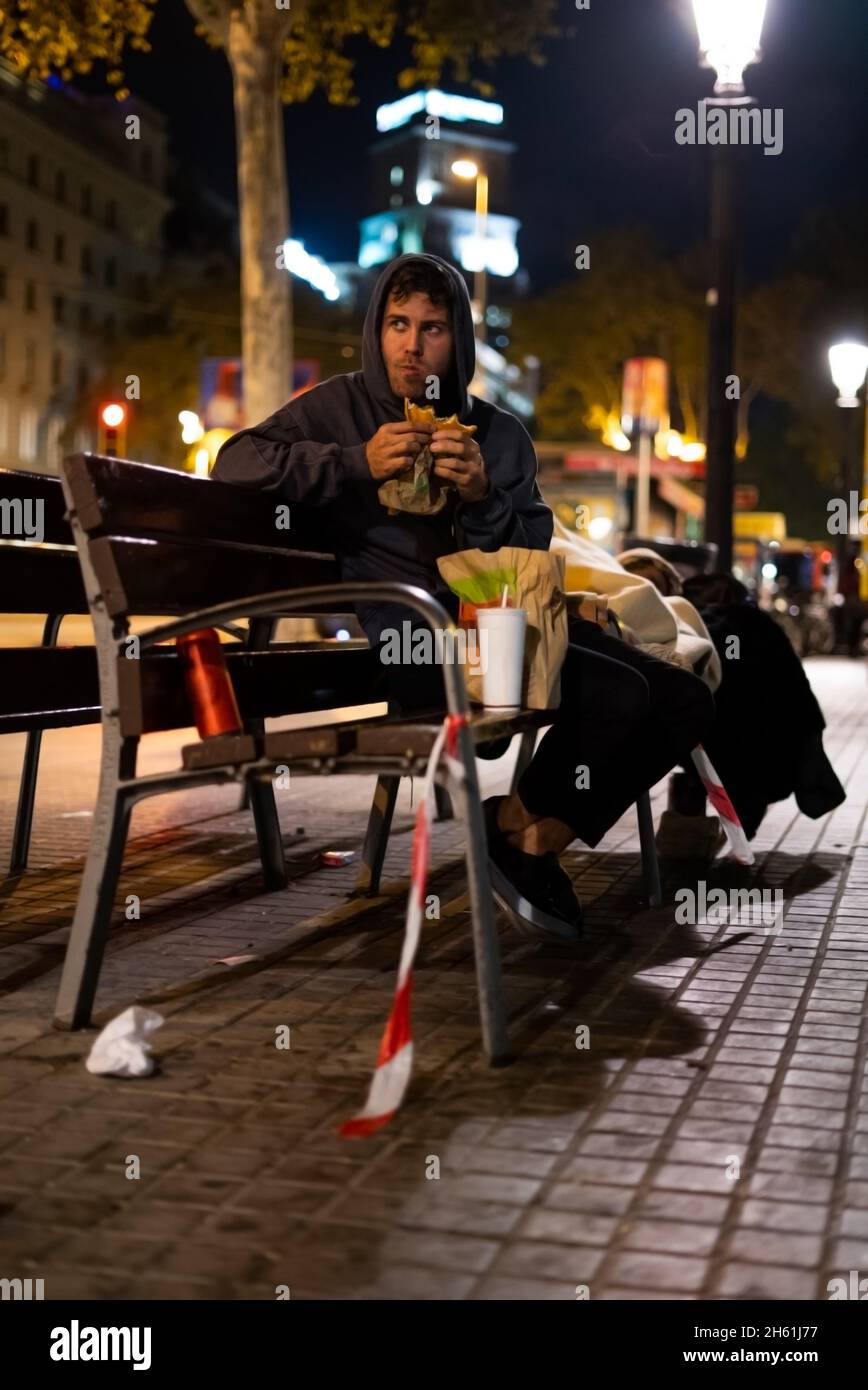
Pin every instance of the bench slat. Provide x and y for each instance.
(267, 684)
(36, 580)
(170, 577)
(17, 484)
(371, 739)
(119, 498)
(58, 687)
(41, 686)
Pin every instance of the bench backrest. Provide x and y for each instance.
(159, 542)
(34, 577)
(166, 542)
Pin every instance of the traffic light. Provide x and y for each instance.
(112, 423)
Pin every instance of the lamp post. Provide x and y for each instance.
(848, 363)
(729, 40)
(467, 169)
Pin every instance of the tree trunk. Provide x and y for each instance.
(263, 204)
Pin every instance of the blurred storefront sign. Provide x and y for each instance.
(645, 395)
(221, 389)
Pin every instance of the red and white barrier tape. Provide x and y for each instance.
(719, 799)
(395, 1058)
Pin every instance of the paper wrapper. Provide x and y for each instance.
(535, 581)
(417, 489)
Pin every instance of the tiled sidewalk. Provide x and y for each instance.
(711, 1141)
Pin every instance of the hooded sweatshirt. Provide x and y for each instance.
(312, 452)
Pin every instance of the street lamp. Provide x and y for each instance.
(848, 363)
(729, 40)
(467, 169)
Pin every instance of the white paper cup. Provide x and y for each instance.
(501, 648)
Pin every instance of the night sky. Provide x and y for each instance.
(594, 128)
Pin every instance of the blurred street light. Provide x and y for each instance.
(848, 363)
(467, 169)
(192, 428)
(729, 40)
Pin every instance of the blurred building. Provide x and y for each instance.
(82, 202)
(418, 203)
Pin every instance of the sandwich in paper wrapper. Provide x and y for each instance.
(417, 489)
(534, 581)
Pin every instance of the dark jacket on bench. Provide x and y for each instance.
(312, 452)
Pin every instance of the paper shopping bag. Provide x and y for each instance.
(534, 580)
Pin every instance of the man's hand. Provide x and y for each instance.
(394, 447)
(457, 460)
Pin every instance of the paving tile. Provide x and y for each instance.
(758, 1281)
(546, 1260)
(656, 1271)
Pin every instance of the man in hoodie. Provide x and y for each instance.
(625, 718)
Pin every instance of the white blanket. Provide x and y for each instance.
(668, 628)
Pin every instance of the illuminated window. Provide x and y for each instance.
(396, 175)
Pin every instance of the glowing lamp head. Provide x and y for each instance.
(729, 39)
(113, 416)
(848, 363)
(465, 169)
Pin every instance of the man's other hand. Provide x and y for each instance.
(394, 447)
(457, 460)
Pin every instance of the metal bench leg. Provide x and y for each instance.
(377, 836)
(267, 823)
(96, 895)
(650, 866)
(486, 948)
(526, 747)
(29, 770)
(26, 798)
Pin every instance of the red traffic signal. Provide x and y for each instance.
(112, 429)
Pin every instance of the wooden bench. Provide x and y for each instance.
(205, 553)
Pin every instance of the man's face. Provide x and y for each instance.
(416, 342)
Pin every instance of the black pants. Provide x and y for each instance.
(625, 719)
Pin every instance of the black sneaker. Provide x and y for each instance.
(532, 889)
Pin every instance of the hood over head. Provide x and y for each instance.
(454, 392)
